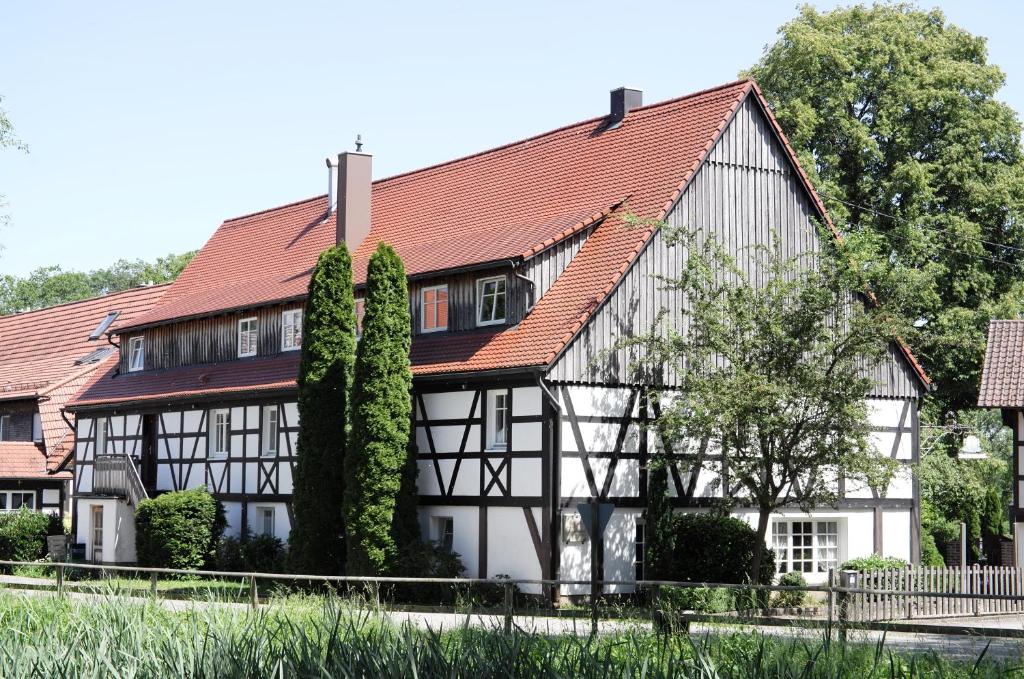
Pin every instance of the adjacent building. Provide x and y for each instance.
(524, 272)
(45, 358)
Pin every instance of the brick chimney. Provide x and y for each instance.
(353, 201)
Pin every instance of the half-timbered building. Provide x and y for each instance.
(45, 357)
(524, 272)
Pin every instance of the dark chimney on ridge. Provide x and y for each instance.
(354, 190)
(624, 100)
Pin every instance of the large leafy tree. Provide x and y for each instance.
(772, 377)
(317, 539)
(377, 502)
(893, 112)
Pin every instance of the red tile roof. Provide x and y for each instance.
(26, 460)
(506, 203)
(38, 350)
(1002, 376)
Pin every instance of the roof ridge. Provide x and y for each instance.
(548, 133)
(275, 208)
(22, 314)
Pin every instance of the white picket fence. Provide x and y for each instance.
(989, 580)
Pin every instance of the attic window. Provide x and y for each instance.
(136, 354)
(95, 356)
(104, 325)
(434, 308)
(247, 328)
(490, 300)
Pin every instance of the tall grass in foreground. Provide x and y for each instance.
(46, 637)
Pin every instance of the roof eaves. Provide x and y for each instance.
(572, 230)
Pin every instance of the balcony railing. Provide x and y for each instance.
(115, 474)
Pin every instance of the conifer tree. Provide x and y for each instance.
(378, 463)
(317, 539)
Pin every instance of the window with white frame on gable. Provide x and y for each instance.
(136, 354)
(220, 433)
(434, 308)
(490, 300)
(248, 331)
(268, 447)
(291, 329)
(805, 546)
(498, 419)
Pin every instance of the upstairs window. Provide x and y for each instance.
(37, 428)
(247, 331)
(291, 330)
(497, 420)
(220, 433)
(490, 300)
(434, 308)
(5, 427)
(360, 312)
(136, 354)
(101, 436)
(269, 446)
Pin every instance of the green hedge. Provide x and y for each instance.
(178, 530)
(716, 548)
(251, 553)
(23, 534)
(873, 562)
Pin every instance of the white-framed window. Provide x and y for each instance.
(268, 447)
(291, 329)
(444, 532)
(14, 500)
(498, 419)
(265, 518)
(640, 546)
(434, 308)
(248, 329)
(136, 354)
(490, 300)
(5, 427)
(220, 433)
(573, 532)
(101, 436)
(806, 546)
(37, 427)
(360, 312)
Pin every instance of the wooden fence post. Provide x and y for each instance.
(153, 585)
(848, 581)
(657, 620)
(509, 606)
(254, 597)
(60, 579)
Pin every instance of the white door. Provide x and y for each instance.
(97, 533)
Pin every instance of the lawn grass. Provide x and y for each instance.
(321, 637)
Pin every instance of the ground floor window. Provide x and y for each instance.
(265, 520)
(806, 546)
(444, 532)
(13, 500)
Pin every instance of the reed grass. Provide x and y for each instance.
(43, 636)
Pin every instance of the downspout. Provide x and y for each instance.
(533, 286)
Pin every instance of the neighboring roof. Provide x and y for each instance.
(26, 460)
(1002, 376)
(39, 351)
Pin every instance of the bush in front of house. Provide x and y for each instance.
(716, 548)
(790, 598)
(178, 530)
(873, 562)
(23, 535)
(250, 553)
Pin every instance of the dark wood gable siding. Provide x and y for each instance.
(462, 298)
(206, 340)
(549, 264)
(745, 191)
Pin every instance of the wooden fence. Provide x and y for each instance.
(887, 604)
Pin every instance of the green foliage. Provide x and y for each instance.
(250, 553)
(711, 547)
(51, 285)
(380, 509)
(767, 377)
(660, 539)
(873, 562)
(790, 598)
(930, 554)
(893, 112)
(698, 599)
(23, 534)
(317, 538)
(178, 530)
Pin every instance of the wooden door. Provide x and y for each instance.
(149, 446)
(97, 533)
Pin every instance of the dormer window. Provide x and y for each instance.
(136, 354)
(247, 332)
(434, 308)
(490, 300)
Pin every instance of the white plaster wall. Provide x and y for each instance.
(896, 533)
(466, 523)
(620, 549)
(591, 401)
(118, 529)
(233, 515)
(281, 524)
(527, 478)
(574, 562)
(527, 402)
(526, 436)
(448, 405)
(510, 549)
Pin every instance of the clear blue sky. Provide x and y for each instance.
(150, 123)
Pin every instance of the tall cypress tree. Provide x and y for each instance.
(378, 462)
(317, 539)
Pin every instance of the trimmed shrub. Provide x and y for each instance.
(251, 553)
(23, 534)
(316, 543)
(380, 486)
(873, 562)
(930, 554)
(790, 598)
(716, 548)
(177, 530)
